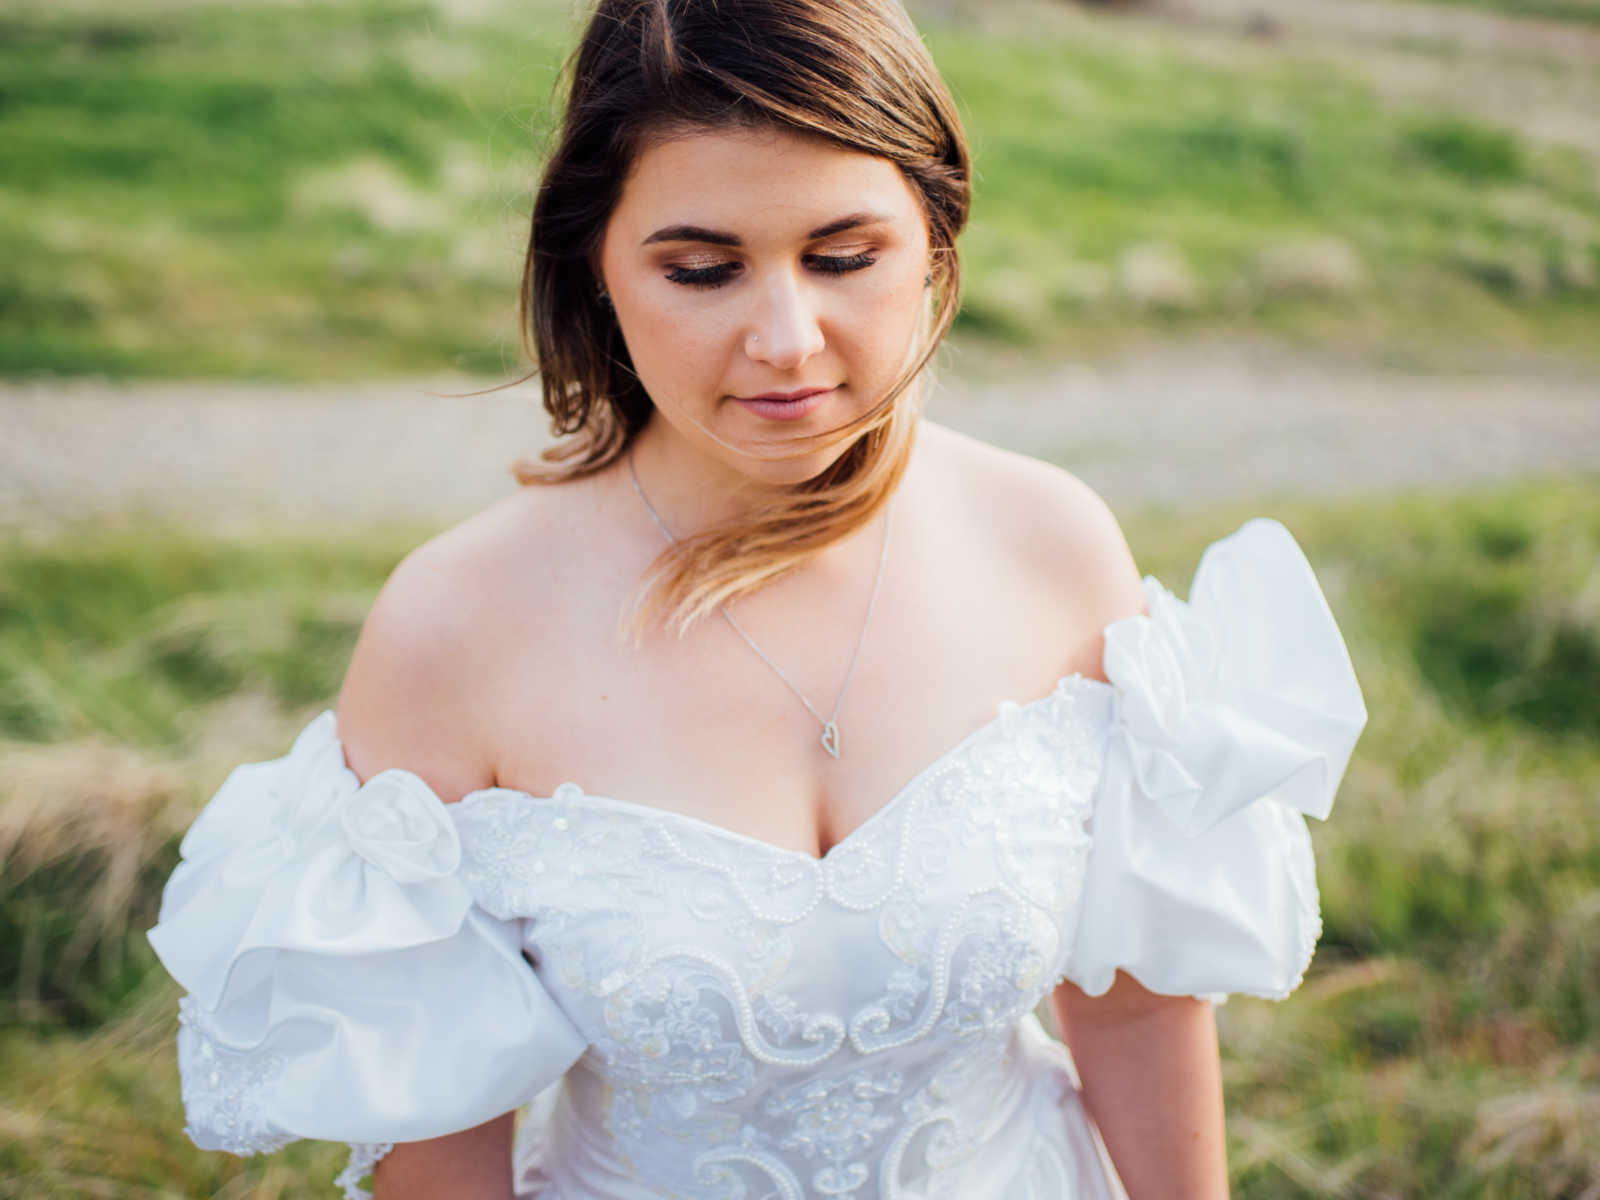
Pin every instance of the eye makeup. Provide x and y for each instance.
(704, 277)
(839, 264)
(720, 273)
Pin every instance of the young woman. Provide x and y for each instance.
(728, 798)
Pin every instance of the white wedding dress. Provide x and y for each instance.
(684, 1011)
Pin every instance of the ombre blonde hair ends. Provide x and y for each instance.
(851, 71)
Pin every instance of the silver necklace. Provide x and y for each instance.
(830, 723)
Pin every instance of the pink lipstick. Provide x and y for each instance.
(786, 406)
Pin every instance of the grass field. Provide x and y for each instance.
(1445, 1045)
(1552, 10)
(301, 190)
(294, 190)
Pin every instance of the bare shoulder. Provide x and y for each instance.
(418, 692)
(1055, 532)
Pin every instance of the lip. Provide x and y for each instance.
(787, 406)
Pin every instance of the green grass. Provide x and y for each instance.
(98, 1115)
(1446, 1043)
(1256, 176)
(1583, 11)
(122, 635)
(312, 190)
(336, 191)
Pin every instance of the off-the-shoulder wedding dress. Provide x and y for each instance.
(683, 1011)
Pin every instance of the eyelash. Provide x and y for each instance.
(715, 277)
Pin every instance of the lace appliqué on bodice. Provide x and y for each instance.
(765, 1022)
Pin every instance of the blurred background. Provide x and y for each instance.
(1333, 260)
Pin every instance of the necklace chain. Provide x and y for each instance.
(830, 723)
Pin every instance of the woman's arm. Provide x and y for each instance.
(1153, 1084)
(411, 698)
(474, 1164)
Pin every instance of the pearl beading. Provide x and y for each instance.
(827, 1030)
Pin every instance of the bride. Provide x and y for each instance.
(726, 799)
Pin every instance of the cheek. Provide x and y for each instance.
(882, 319)
(672, 344)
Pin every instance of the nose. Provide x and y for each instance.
(785, 330)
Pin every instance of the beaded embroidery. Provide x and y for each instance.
(222, 1091)
(689, 956)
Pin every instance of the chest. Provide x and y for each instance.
(726, 724)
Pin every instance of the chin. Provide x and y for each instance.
(790, 472)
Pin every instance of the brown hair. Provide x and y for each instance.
(851, 71)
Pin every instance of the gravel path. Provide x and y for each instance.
(1171, 426)
(1181, 425)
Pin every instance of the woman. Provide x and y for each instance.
(759, 899)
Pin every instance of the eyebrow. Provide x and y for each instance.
(715, 237)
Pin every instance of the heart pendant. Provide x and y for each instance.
(830, 739)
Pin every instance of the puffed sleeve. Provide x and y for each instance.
(342, 984)
(1235, 716)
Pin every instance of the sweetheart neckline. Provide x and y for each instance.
(1006, 708)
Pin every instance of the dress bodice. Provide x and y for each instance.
(691, 1012)
(801, 1025)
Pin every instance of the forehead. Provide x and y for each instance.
(761, 184)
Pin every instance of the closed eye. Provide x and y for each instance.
(721, 273)
(838, 264)
(704, 277)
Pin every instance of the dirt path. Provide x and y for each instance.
(1171, 426)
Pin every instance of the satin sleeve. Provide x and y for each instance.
(341, 983)
(1234, 719)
